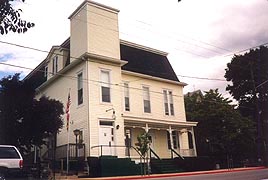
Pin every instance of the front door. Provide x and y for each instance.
(106, 140)
(152, 140)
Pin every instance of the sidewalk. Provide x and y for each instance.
(175, 174)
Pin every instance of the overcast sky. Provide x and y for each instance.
(198, 34)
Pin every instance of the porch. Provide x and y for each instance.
(167, 139)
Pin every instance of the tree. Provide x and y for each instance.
(143, 147)
(24, 120)
(248, 74)
(143, 144)
(10, 19)
(221, 130)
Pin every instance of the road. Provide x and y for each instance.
(261, 174)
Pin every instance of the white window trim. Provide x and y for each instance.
(46, 71)
(78, 73)
(163, 104)
(124, 102)
(55, 66)
(110, 78)
(146, 86)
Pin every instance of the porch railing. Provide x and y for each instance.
(172, 151)
(187, 152)
(61, 151)
(101, 147)
(154, 153)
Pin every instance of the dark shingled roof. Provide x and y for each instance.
(148, 63)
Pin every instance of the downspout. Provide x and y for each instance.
(88, 117)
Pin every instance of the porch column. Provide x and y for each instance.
(146, 128)
(170, 137)
(193, 138)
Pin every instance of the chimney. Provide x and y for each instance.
(94, 30)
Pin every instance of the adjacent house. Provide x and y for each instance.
(118, 90)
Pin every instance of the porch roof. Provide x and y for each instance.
(157, 124)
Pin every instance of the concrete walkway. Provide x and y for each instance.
(174, 174)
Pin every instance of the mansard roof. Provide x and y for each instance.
(146, 61)
(140, 59)
(143, 60)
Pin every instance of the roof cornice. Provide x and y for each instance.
(95, 4)
(59, 74)
(100, 58)
(153, 78)
(145, 48)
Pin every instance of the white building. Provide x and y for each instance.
(118, 89)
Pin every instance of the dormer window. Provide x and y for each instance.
(55, 65)
(46, 71)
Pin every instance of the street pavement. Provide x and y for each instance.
(253, 173)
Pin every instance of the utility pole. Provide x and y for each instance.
(262, 123)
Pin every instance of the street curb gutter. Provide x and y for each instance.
(178, 174)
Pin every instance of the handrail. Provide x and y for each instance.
(175, 152)
(152, 151)
(117, 146)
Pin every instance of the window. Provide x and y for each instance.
(127, 141)
(105, 86)
(80, 137)
(80, 88)
(106, 123)
(46, 71)
(190, 139)
(128, 137)
(168, 103)
(175, 139)
(8, 153)
(55, 65)
(126, 94)
(146, 100)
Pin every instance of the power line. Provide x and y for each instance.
(35, 49)
(149, 24)
(238, 52)
(163, 35)
(84, 79)
(261, 84)
(202, 78)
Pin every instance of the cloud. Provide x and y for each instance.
(194, 33)
(5, 57)
(242, 26)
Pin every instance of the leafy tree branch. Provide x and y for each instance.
(10, 19)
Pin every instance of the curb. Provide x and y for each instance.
(178, 174)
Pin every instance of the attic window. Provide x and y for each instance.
(55, 65)
(46, 71)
